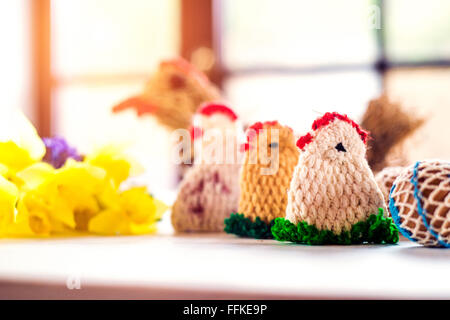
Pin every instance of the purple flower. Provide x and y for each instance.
(58, 151)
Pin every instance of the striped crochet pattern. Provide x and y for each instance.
(332, 187)
(420, 203)
(264, 196)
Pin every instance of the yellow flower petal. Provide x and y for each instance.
(142, 209)
(3, 170)
(8, 198)
(138, 214)
(21, 225)
(16, 128)
(61, 212)
(116, 164)
(161, 208)
(110, 222)
(14, 157)
(80, 174)
(138, 204)
(39, 223)
(138, 229)
(36, 174)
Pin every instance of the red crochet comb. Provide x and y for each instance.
(325, 120)
(210, 108)
(304, 140)
(254, 130)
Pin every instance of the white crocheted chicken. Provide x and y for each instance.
(210, 190)
(333, 194)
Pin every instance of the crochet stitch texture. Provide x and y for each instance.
(208, 193)
(377, 229)
(265, 196)
(241, 226)
(333, 187)
(210, 189)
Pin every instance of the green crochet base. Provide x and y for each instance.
(241, 226)
(376, 230)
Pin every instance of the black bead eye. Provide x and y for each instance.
(273, 145)
(340, 147)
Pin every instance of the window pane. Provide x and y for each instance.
(112, 36)
(85, 119)
(418, 30)
(15, 56)
(298, 100)
(297, 32)
(426, 92)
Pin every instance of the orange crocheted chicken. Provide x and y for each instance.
(173, 94)
(210, 189)
(270, 158)
(333, 196)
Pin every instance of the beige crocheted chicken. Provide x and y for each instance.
(210, 190)
(333, 194)
(270, 158)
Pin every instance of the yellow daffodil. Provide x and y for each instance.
(16, 129)
(12, 159)
(137, 213)
(35, 175)
(56, 200)
(20, 145)
(8, 198)
(13, 156)
(117, 166)
(35, 202)
(38, 199)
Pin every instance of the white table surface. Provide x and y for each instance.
(194, 266)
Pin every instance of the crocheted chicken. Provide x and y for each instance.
(173, 94)
(333, 197)
(210, 189)
(270, 158)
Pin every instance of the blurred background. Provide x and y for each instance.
(66, 63)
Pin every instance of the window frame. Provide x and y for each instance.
(381, 65)
(201, 26)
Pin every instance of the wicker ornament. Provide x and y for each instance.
(390, 125)
(420, 203)
(210, 189)
(173, 94)
(333, 196)
(385, 179)
(270, 158)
